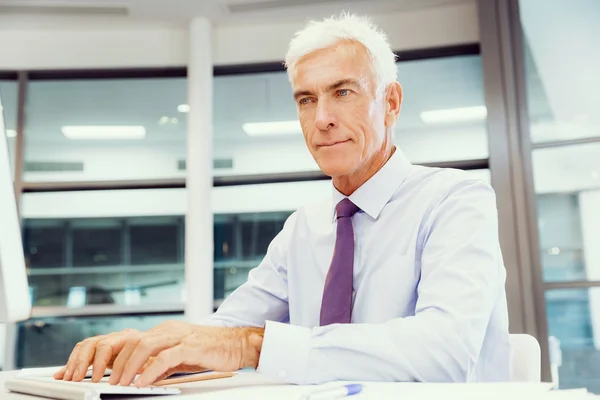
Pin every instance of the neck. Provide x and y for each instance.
(348, 184)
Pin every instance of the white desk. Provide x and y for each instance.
(251, 385)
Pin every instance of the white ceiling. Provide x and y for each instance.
(216, 10)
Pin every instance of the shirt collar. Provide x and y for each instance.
(375, 193)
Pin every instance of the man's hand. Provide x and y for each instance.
(170, 347)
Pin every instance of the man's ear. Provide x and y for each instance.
(393, 102)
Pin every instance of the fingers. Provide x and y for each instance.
(71, 363)
(164, 362)
(84, 359)
(121, 360)
(98, 351)
(108, 350)
(104, 355)
(60, 373)
(147, 347)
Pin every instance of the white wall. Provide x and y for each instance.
(117, 42)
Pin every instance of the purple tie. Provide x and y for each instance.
(336, 306)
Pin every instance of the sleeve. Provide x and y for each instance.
(461, 276)
(264, 296)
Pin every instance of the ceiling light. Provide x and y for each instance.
(104, 132)
(276, 128)
(164, 120)
(174, 121)
(183, 108)
(11, 133)
(554, 251)
(450, 115)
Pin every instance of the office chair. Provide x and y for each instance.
(527, 358)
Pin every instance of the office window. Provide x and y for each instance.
(224, 234)
(561, 88)
(8, 97)
(562, 78)
(44, 243)
(97, 242)
(121, 247)
(257, 232)
(443, 118)
(574, 329)
(155, 241)
(568, 188)
(105, 129)
(34, 336)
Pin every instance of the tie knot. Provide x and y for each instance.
(346, 209)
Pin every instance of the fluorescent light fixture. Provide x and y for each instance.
(450, 115)
(183, 108)
(11, 133)
(276, 128)
(104, 132)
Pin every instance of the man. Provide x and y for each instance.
(399, 278)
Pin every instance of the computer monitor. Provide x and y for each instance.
(15, 303)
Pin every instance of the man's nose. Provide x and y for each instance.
(325, 119)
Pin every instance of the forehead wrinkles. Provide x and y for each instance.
(343, 54)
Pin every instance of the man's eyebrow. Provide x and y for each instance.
(301, 93)
(333, 86)
(343, 82)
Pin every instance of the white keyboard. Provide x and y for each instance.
(86, 390)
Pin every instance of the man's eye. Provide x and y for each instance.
(304, 101)
(343, 92)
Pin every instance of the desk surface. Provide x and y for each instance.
(252, 385)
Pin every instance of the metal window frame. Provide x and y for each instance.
(508, 169)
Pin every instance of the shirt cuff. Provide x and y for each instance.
(284, 353)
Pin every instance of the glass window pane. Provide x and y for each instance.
(224, 234)
(46, 342)
(574, 329)
(562, 78)
(97, 242)
(120, 247)
(567, 183)
(9, 100)
(155, 241)
(442, 119)
(257, 232)
(443, 115)
(44, 243)
(74, 129)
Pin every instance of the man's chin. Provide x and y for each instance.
(335, 169)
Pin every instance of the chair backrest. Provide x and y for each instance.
(527, 358)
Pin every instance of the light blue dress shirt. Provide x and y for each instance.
(429, 296)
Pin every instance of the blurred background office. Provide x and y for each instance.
(123, 118)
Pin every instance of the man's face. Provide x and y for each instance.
(343, 122)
